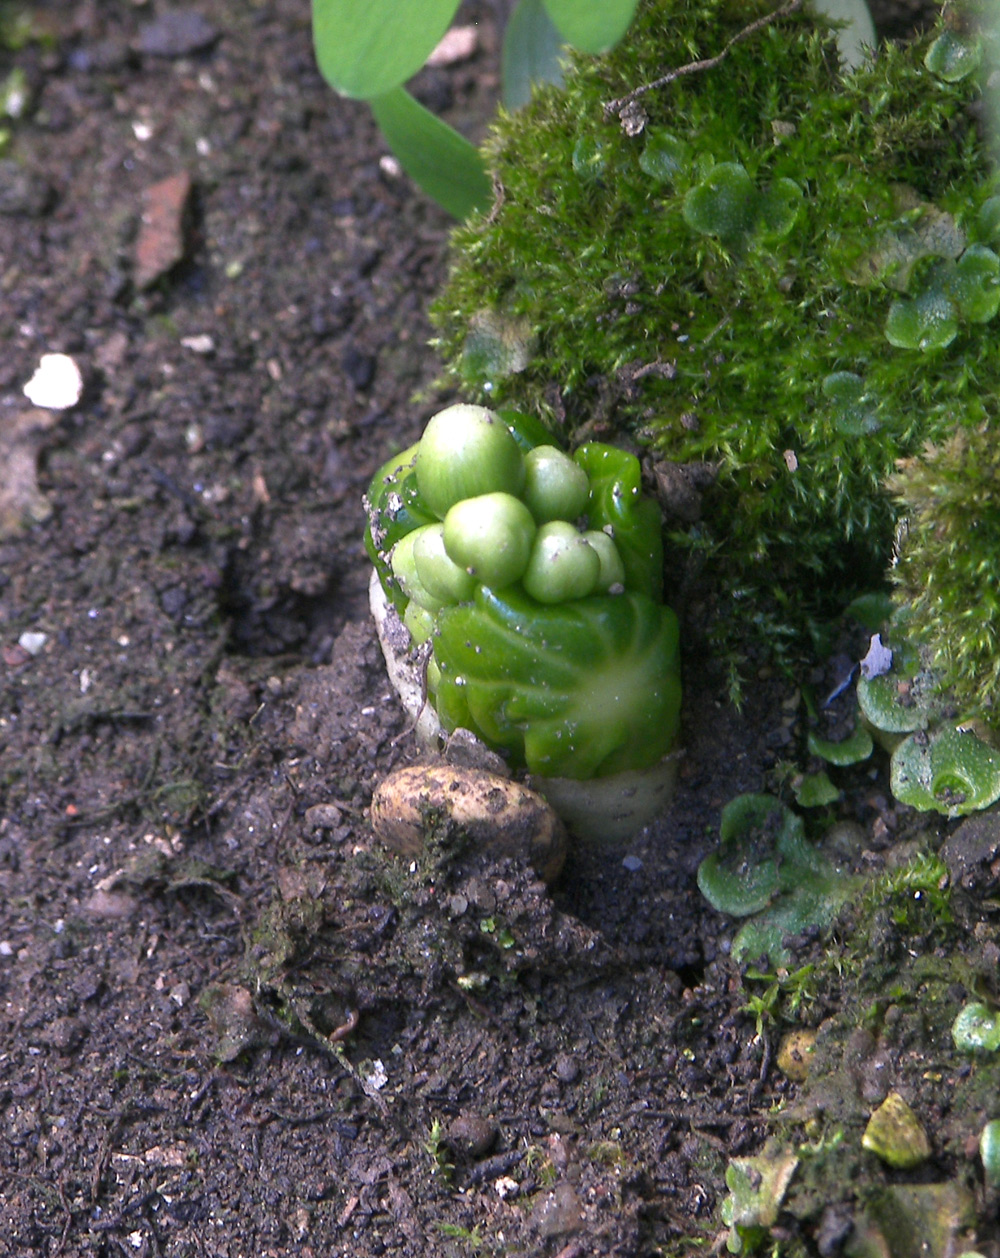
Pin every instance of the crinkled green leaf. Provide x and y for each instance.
(766, 869)
(871, 610)
(365, 48)
(757, 834)
(950, 771)
(757, 1188)
(904, 699)
(532, 52)
(806, 907)
(439, 160)
(579, 689)
(591, 25)
(815, 790)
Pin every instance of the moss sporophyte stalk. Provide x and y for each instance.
(778, 277)
(537, 580)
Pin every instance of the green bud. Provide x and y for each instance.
(404, 569)
(555, 488)
(490, 536)
(439, 574)
(419, 621)
(611, 579)
(989, 1151)
(563, 564)
(466, 451)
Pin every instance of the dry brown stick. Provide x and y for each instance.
(620, 105)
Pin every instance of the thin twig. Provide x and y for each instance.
(622, 104)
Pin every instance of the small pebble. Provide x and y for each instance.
(202, 344)
(472, 1135)
(559, 1212)
(176, 33)
(32, 642)
(633, 864)
(895, 1135)
(57, 383)
(567, 1070)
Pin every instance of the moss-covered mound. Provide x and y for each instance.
(949, 564)
(779, 279)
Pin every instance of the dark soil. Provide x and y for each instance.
(230, 1024)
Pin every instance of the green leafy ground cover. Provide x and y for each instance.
(778, 279)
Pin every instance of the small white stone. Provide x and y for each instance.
(32, 642)
(373, 1076)
(202, 344)
(57, 383)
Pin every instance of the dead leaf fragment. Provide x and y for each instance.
(160, 244)
(21, 439)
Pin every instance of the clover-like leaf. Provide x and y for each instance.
(723, 204)
(954, 57)
(590, 158)
(854, 410)
(815, 790)
(974, 284)
(926, 322)
(778, 209)
(744, 875)
(949, 771)
(664, 156)
(988, 219)
(901, 699)
(766, 869)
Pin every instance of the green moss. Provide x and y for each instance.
(947, 573)
(721, 285)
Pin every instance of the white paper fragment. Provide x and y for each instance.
(57, 383)
(457, 44)
(878, 660)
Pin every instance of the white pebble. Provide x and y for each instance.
(57, 383)
(32, 642)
